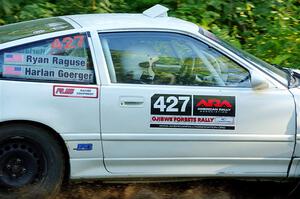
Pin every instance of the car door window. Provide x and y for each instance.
(61, 59)
(168, 59)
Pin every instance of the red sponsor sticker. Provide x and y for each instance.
(75, 91)
(69, 42)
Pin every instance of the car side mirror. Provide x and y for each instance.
(258, 82)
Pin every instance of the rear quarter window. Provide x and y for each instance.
(61, 59)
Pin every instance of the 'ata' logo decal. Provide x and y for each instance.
(210, 103)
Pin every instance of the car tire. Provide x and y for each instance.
(31, 163)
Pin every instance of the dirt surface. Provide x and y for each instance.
(204, 189)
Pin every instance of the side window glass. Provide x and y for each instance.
(169, 59)
(62, 59)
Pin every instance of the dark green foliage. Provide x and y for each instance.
(268, 29)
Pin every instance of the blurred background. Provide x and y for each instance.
(268, 29)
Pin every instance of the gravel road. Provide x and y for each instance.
(204, 189)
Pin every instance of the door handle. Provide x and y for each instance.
(136, 102)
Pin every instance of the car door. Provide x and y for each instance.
(176, 106)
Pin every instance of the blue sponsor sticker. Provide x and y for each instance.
(84, 147)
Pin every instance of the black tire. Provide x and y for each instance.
(31, 163)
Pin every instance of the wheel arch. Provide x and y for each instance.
(53, 133)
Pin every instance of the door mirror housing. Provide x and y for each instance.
(258, 82)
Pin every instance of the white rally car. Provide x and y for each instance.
(138, 95)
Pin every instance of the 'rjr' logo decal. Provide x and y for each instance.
(75, 91)
(214, 103)
(65, 91)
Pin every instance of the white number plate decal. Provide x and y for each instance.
(192, 111)
(171, 104)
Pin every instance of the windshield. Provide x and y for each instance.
(271, 69)
(31, 28)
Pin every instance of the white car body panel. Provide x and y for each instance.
(262, 145)
(130, 142)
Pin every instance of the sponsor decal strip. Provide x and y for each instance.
(193, 120)
(75, 91)
(192, 126)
